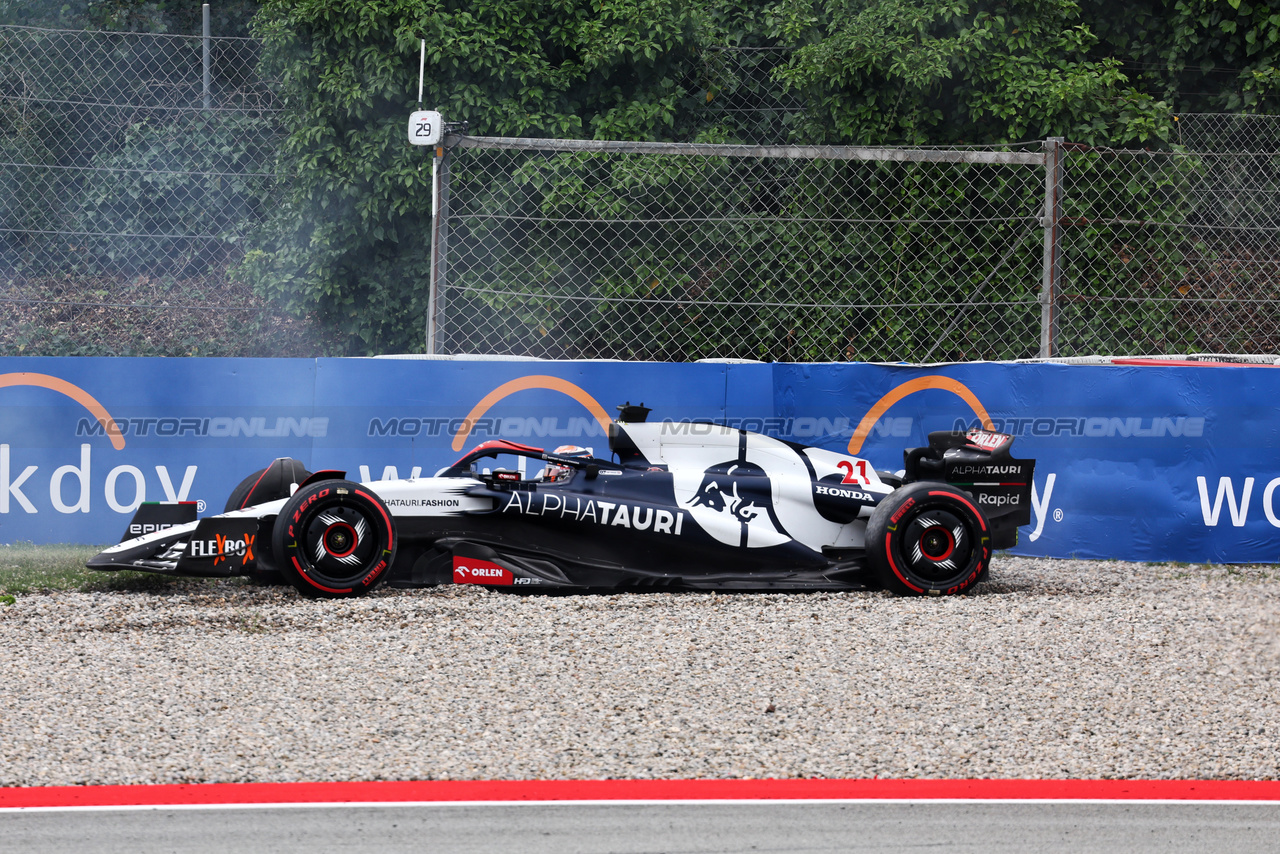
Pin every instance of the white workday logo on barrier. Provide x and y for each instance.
(70, 487)
(1235, 500)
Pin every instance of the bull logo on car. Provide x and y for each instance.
(734, 505)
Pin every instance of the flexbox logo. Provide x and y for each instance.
(222, 547)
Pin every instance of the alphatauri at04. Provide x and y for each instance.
(675, 505)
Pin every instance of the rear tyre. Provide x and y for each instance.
(928, 539)
(334, 539)
(266, 489)
(290, 472)
(235, 501)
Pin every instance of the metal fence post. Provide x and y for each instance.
(1052, 248)
(205, 13)
(439, 244)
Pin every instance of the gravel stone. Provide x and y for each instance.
(1052, 669)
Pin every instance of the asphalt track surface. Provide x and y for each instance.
(567, 828)
(648, 816)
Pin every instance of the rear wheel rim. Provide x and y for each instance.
(938, 546)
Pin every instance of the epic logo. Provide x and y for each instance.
(138, 530)
(475, 571)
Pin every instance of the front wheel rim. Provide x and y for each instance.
(339, 544)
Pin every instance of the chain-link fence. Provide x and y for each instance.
(132, 168)
(670, 252)
(652, 251)
(1174, 252)
(740, 96)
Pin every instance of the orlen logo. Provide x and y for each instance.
(983, 439)
(469, 570)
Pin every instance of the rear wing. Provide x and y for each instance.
(981, 463)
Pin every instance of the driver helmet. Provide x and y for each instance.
(558, 472)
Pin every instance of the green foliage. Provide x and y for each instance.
(351, 240)
(23, 205)
(348, 243)
(1201, 55)
(1124, 263)
(690, 257)
(960, 71)
(196, 181)
(226, 17)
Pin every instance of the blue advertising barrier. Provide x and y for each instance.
(1134, 462)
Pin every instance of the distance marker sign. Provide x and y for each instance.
(425, 127)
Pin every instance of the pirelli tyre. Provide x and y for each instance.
(267, 484)
(235, 501)
(334, 539)
(928, 539)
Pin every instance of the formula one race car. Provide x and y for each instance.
(677, 506)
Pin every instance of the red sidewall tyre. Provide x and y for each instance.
(334, 539)
(241, 492)
(928, 539)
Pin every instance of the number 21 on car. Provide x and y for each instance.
(855, 471)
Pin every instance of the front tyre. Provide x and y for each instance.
(334, 539)
(928, 539)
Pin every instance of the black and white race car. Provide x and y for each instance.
(677, 505)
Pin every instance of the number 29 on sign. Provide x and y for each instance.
(425, 127)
